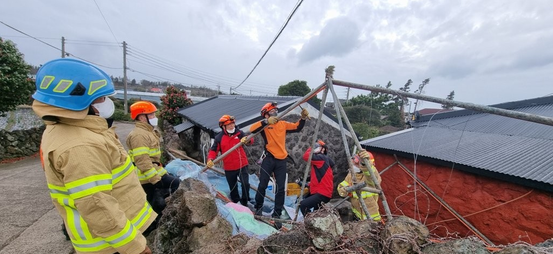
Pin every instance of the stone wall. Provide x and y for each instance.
(20, 133)
(297, 144)
(20, 143)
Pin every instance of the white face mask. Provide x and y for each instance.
(153, 121)
(356, 169)
(105, 109)
(317, 150)
(231, 130)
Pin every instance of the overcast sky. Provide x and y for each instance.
(488, 51)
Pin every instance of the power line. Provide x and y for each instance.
(274, 40)
(105, 20)
(50, 45)
(30, 36)
(193, 72)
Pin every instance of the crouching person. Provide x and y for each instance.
(322, 182)
(362, 175)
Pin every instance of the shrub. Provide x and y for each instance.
(173, 100)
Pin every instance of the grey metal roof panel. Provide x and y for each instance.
(207, 113)
(518, 156)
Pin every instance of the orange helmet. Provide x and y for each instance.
(268, 107)
(142, 107)
(225, 120)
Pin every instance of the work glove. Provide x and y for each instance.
(244, 140)
(364, 155)
(272, 120)
(304, 114)
(342, 191)
(209, 164)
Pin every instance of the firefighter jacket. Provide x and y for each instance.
(275, 135)
(144, 150)
(322, 179)
(223, 142)
(370, 199)
(94, 186)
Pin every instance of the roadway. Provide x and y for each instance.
(29, 222)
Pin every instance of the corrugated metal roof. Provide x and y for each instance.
(493, 143)
(244, 108)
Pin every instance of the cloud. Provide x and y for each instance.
(339, 37)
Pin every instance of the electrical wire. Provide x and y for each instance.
(273, 42)
(105, 20)
(28, 35)
(215, 79)
(52, 46)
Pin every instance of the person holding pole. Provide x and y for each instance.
(362, 175)
(274, 133)
(145, 151)
(236, 163)
(322, 178)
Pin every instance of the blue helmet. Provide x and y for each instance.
(71, 84)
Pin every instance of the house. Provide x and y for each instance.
(202, 125)
(156, 90)
(494, 171)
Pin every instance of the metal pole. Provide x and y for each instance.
(213, 169)
(125, 103)
(62, 47)
(466, 105)
(344, 139)
(340, 109)
(446, 205)
(251, 135)
(308, 166)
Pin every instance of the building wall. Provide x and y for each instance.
(503, 212)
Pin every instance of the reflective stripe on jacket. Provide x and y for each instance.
(370, 199)
(94, 186)
(144, 150)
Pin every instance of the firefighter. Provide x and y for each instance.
(235, 164)
(274, 136)
(362, 175)
(144, 148)
(322, 182)
(92, 181)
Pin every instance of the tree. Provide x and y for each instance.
(365, 131)
(363, 114)
(15, 85)
(294, 88)
(173, 100)
(449, 97)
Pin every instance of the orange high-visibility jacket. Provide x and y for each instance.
(275, 135)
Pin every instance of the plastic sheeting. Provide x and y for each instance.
(240, 217)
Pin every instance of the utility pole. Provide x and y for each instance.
(347, 97)
(218, 89)
(230, 91)
(62, 47)
(126, 106)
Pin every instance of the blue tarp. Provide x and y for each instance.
(242, 220)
